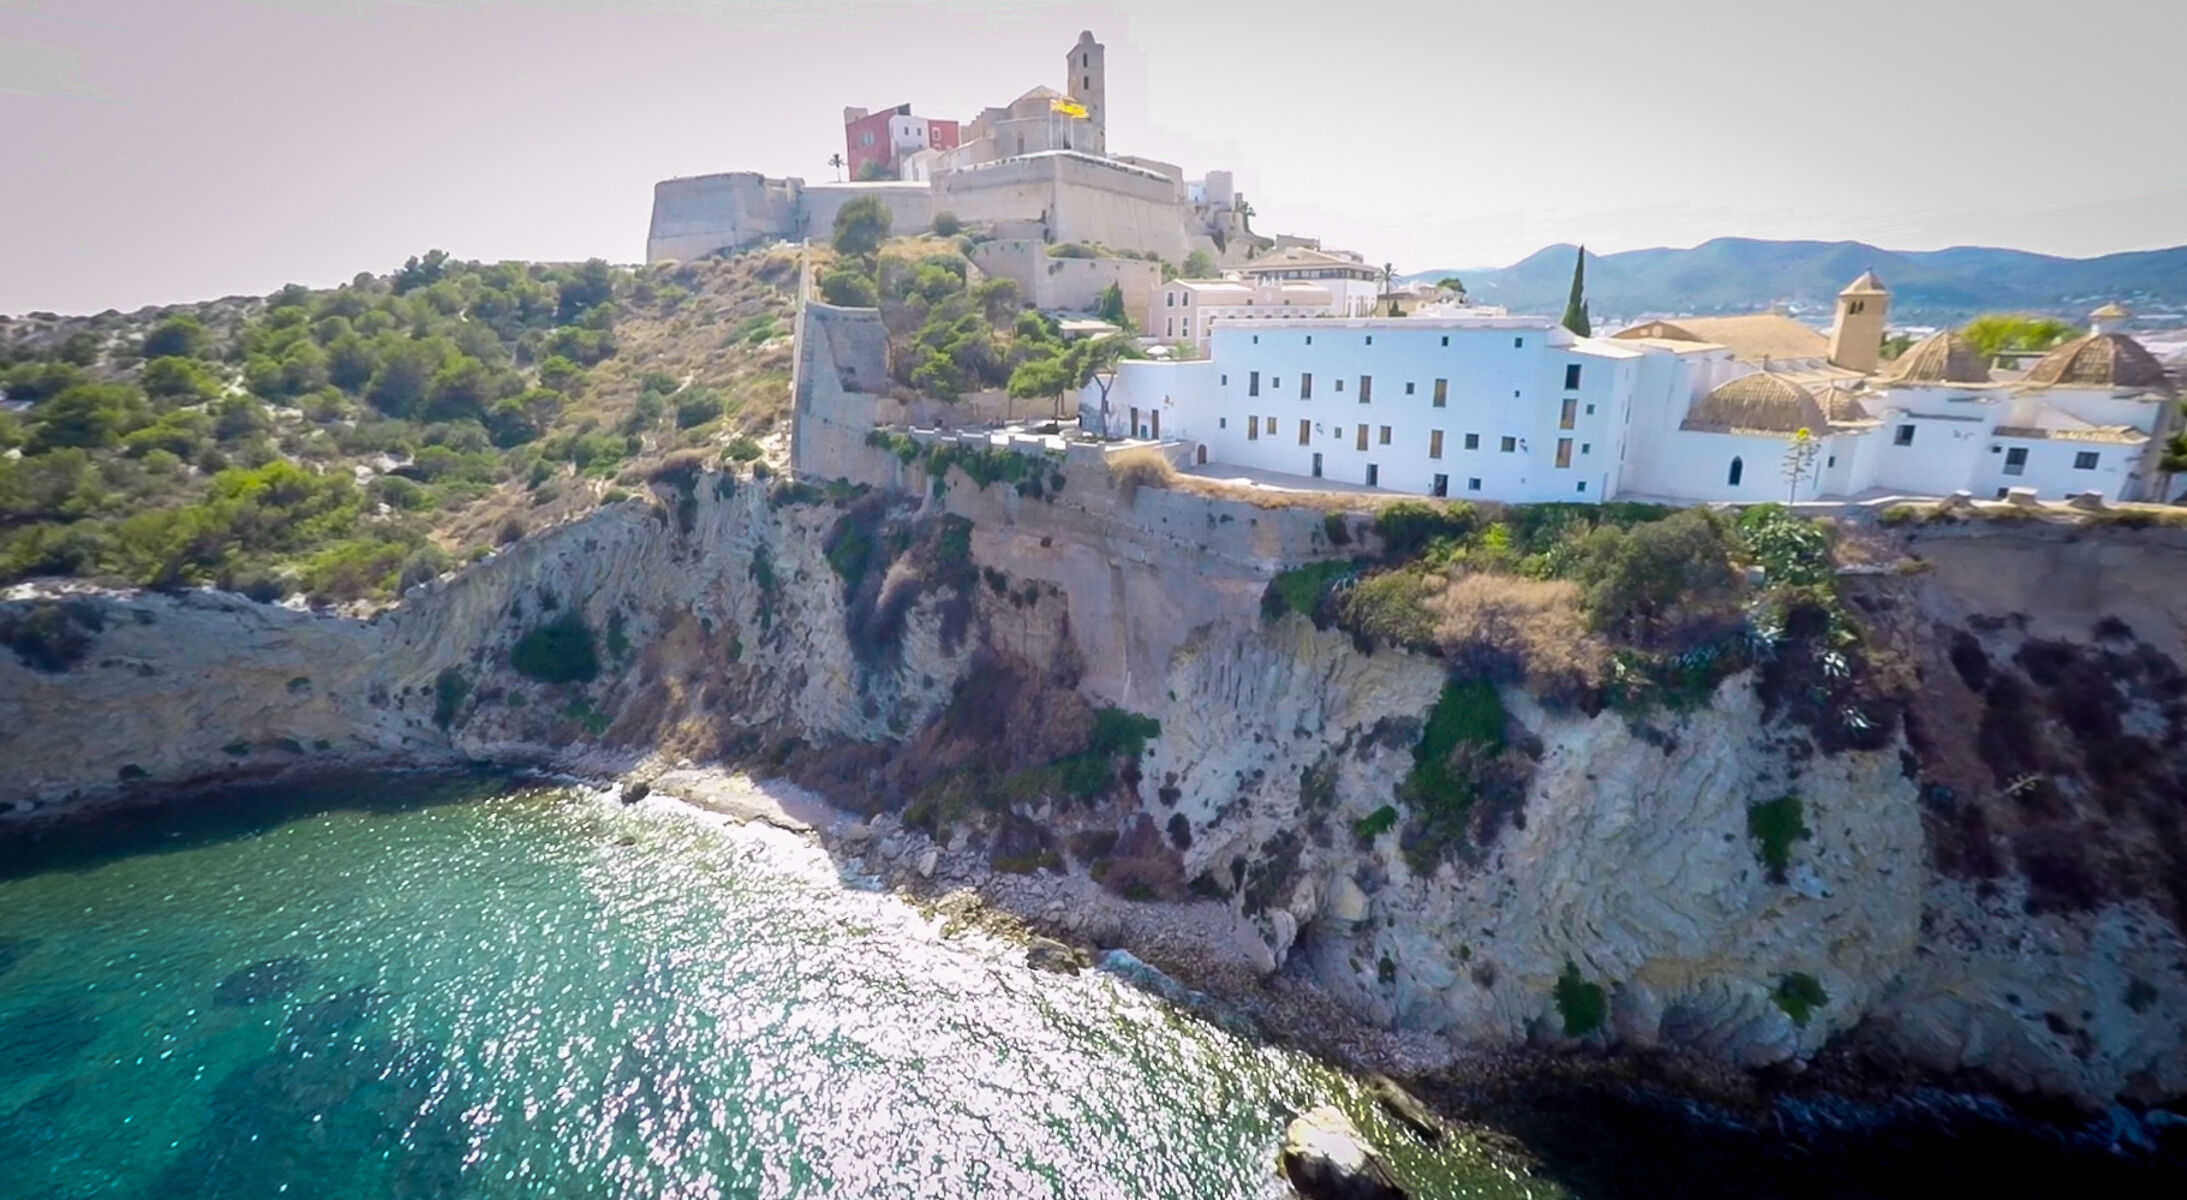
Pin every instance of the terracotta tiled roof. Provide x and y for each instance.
(1866, 285)
(1942, 357)
(2117, 434)
(1750, 338)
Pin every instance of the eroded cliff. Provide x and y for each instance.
(1993, 885)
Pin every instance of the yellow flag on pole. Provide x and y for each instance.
(1069, 108)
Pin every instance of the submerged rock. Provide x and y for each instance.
(1326, 1158)
(261, 981)
(1406, 1109)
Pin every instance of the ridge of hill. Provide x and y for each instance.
(1750, 274)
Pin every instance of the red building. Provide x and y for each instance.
(876, 143)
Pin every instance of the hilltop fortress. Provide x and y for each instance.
(1037, 168)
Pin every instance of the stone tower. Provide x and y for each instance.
(1856, 338)
(1086, 79)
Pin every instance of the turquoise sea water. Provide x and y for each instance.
(472, 988)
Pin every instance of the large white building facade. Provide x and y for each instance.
(1517, 409)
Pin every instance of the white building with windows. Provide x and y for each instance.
(1517, 409)
(1185, 310)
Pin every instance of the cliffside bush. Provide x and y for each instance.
(1304, 590)
(51, 635)
(560, 651)
(1775, 825)
(1582, 1006)
(450, 688)
(1465, 778)
(1799, 995)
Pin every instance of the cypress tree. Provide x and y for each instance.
(1575, 309)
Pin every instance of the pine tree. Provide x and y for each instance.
(1575, 309)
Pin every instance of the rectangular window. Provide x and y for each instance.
(1587, 447)
(1473, 441)
(2016, 460)
(1222, 422)
(1309, 339)
(1442, 392)
(2085, 461)
(1583, 485)
(1446, 339)
(1169, 327)
(1571, 376)
(1442, 486)
(1374, 475)
(1590, 410)
(1564, 452)
(1172, 298)
(1384, 438)
(1510, 445)
(1306, 433)
(1269, 424)
(1473, 485)
(1306, 386)
(1366, 388)
(1518, 343)
(1569, 412)
(1370, 339)
(1226, 381)
(1188, 327)
(1253, 384)
(1903, 436)
(1435, 443)
(1408, 387)
(1252, 429)
(1362, 443)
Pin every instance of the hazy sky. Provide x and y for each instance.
(155, 151)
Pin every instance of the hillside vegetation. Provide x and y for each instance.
(343, 444)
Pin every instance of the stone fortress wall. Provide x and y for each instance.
(1054, 284)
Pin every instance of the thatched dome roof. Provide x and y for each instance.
(1940, 358)
(2099, 360)
(1763, 402)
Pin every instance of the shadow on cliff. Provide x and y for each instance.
(165, 821)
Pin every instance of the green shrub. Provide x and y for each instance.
(1375, 824)
(1410, 526)
(560, 651)
(449, 689)
(1799, 995)
(1583, 1006)
(1775, 825)
(742, 449)
(1302, 589)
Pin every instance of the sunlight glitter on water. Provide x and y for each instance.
(528, 992)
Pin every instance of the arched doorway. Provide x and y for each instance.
(1738, 470)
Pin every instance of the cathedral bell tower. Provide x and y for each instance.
(1086, 79)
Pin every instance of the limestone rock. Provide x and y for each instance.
(928, 861)
(1325, 1157)
(1055, 957)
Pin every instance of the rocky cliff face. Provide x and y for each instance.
(1997, 889)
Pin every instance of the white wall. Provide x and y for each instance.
(1504, 379)
(2049, 467)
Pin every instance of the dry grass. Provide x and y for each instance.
(1140, 466)
(1507, 625)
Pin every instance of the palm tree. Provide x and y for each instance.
(836, 161)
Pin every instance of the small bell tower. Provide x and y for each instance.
(1856, 337)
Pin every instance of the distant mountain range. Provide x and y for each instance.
(1729, 275)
